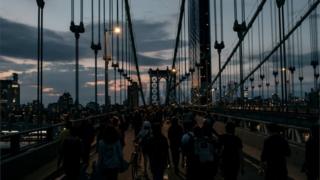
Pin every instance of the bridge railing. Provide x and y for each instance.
(15, 143)
(296, 135)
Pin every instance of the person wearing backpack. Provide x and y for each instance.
(159, 152)
(71, 155)
(274, 154)
(175, 133)
(231, 153)
(143, 139)
(205, 153)
(110, 154)
(188, 150)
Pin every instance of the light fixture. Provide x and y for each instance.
(117, 30)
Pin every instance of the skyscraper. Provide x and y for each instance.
(200, 45)
(10, 92)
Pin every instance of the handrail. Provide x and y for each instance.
(19, 142)
(47, 127)
(293, 141)
(253, 120)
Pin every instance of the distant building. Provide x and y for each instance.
(53, 108)
(10, 92)
(133, 95)
(65, 102)
(200, 47)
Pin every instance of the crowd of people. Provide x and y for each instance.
(190, 145)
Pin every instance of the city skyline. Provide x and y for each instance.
(154, 25)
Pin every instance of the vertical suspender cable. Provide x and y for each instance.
(215, 19)
(221, 19)
(95, 47)
(262, 55)
(40, 4)
(251, 57)
(284, 60)
(41, 57)
(259, 50)
(105, 57)
(77, 30)
(38, 67)
(185, 56)
(292, 67)
(134, 50)
(235, 10)
(300, 51)
(117, 51)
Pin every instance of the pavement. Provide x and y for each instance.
(250, 171)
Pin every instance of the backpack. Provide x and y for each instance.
(204, 149)
(145, 141)
(187, 146)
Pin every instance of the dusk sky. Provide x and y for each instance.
(155, 26)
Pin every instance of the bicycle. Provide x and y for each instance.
(134, 161)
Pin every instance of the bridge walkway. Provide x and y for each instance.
(251, 171)
(251, 161)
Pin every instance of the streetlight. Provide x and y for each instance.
(77, 30)
(107, 58)
(117, 30)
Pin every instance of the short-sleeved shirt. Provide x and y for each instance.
(110, 155)
(231, 145)
(275, 150)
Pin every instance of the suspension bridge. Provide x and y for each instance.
(268, 74)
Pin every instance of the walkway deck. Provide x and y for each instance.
(251, 169)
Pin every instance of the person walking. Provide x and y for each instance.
(187, 147)
(159, 153)
(274, 153)
(110, 154)
(311, 166)
(143, 139)
(175, 133)
(231, 153)
(71, 155)
(87, 134)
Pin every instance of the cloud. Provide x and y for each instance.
(48, 90)
(7, 74)
(147, 31)
(92, 83)
(20, 41)
(18, 53)
(15, 65)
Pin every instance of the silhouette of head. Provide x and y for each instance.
(273, 128)
(174, 121)
(68, 124)
(230, 128)
(156, 129)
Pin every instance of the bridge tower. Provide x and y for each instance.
(155, 77)
(200, 47)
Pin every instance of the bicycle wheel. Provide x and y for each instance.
(134, 165)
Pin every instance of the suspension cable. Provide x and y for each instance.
(185, 55)
(221, 19)
(134, 50)
(300, 51)
(72, 10)
(235, 10)
(243, 10)
(215, 20)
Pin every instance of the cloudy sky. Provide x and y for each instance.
(154, 21)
